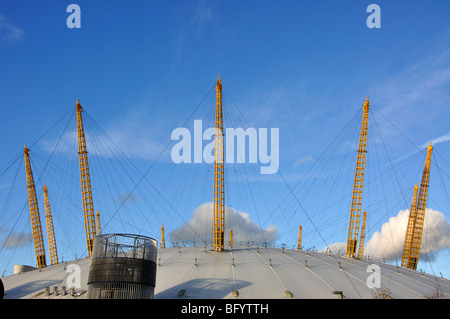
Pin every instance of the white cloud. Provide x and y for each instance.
(304, 160)
(130, 135)
(200, 228)
(17, 239)
(137, 143)
(437, 140)
(388, 242)
(195, 21)
(9, 33)
(415, 95)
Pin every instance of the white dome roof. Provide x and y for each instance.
(250, 273)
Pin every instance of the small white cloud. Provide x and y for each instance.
(304, 160)
(437, 140)
(9, 33)
(134, 140)
(200, 228)
(15, 240)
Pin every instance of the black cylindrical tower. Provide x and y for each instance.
(123, 266)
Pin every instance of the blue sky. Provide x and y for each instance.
(140, 68)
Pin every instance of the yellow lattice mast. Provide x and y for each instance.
(163, 240)
(86, 191)
(416, 238)
(34, 213)
(409, 229)
(231, 238)
(355, 210)
(299, 241)
(219, 198)
(50, 232)
(99, 228)
(362, 237)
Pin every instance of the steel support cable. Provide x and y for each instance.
(248, 183)
(20, 215)
(49, 166)
(101, 187)
(191, 179)
(316, 275)
(53, 126)
(311, 170)
(15, 224)
(50, 171)
(357, 265)
(10, 164)
(144, 177)
(422, 150)
(241, 198)
(441, 171)
(55, 148)
(374, 204)
(431, 218)
(291, 189)
(194, 176)
(4, 207)
(192, 271)
(184, 193)
(396, 178)
(113, 149)
(202, 181)
(185, 199)
(11, 189)
(58, 175)
(240, 185)
(119, 185)
(172, 170)
(319, 233)
(382, 188)
(335, 149)
(22, 233)
(232, 270)
(310, 220)
(264, 198)
(154, 162)
(335, 165)
(347, 150)
(228, 222)
(437, 153)
(271, 268)
(301, 206)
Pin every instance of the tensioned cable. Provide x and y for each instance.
(382, 184)
(153, 164)
(321, 156)
(143, 177)
(231, 121)
(303, 209)
(419, 149)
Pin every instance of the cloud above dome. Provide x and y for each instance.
(200, 228)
